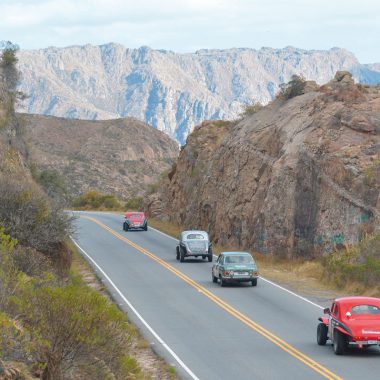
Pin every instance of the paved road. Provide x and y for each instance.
(205, 331)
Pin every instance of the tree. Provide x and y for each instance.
(295, 87)
(8, 64)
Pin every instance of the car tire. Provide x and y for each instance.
(214, 279)
(146, 228)
(125, 226)
(254, 282)
(340, 343)
(181, 255)
(209, 258)
(177, 253)
(321, 334)
(222, 282)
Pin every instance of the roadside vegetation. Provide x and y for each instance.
(53, 326)
(95, 200)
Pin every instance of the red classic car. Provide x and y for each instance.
(351, 321)
(135, 220)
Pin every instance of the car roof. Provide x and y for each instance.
(235, 253)
(203, 233)
(357, 299)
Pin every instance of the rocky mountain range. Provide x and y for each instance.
(120, 157)
(172, 92)
(299, 177)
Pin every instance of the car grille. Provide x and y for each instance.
(197, 246)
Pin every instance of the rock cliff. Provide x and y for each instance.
(120, 157)
(170, 91)
(298, 178)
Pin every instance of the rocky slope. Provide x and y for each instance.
(297, 178)
(120, 157)
(170, 91)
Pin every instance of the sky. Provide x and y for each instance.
(190, 25)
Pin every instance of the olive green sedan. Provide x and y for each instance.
(235, 267)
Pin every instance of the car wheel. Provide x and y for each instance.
(340, 343)
(214, 279)
(321, 334)
(181, 255)
(177, 253)
(210, 258)
(254, 282)
(203, 257)
(146, 228)
(125, 226)
(222, 282)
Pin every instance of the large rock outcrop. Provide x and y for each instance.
(297, 178)
(172, 92)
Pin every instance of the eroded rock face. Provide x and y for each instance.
(297, 178)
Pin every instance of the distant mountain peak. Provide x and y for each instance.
(171, 91)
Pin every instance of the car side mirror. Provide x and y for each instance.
(326, 310)
(210, 244)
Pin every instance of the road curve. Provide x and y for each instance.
(205, 331)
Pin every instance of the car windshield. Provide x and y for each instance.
(195, 237)
(365, 309)
(238, 259)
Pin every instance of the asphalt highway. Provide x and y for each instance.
(207, 332)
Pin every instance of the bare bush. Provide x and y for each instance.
(27, 215)
(251, 109)
(31, 262)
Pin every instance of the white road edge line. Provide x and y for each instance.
(159, 339)
(263, 278)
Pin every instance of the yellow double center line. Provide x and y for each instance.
(224, 305)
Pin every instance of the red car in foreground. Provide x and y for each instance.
(135, 220)
(351, 321)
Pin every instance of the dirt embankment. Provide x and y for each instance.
(296, 179)
(120, 157)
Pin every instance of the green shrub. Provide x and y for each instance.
(93, 200)
(360, 263)
(295, 87)
(251, 109)
(75, 328)
(28, 215)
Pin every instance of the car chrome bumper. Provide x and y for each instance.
(240, 278)
(365, 343)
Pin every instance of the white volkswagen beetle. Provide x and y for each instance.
(194, 243)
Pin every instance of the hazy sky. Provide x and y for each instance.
(188, 25)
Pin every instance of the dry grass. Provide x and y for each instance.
(167, 227)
